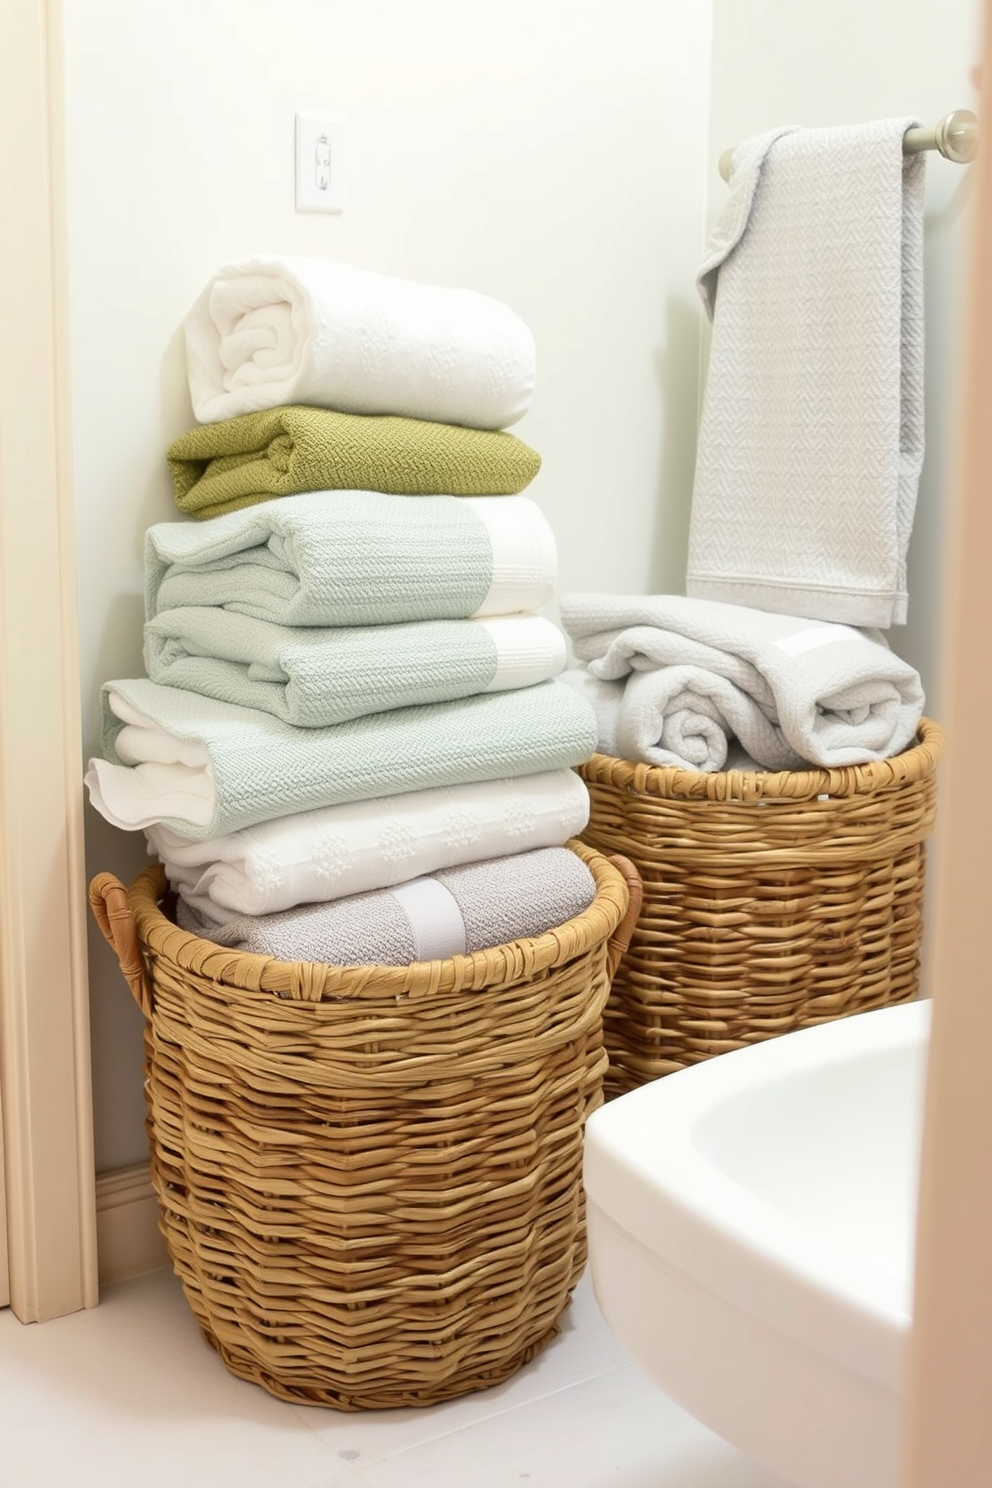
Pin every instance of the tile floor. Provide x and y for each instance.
(128, 1394)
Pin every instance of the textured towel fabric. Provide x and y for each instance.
(688, 716)
(452, 913)
(364, 558)
(313, 678)
(207, 768)
(811, 438)
(236, 463)
(269, 331)
(316, 856)
(683, 716)
(835, 695)
(604, 698)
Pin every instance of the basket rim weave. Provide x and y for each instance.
(612, 911)
(674, 782)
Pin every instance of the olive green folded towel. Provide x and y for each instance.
(284, 451)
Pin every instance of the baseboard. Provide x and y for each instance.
(129, 1242)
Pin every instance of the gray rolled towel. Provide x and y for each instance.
(453, 912)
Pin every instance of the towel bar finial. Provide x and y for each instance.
(956, 137)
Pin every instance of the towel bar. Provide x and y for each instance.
(955, 136)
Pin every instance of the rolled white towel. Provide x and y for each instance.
(269, 330)
(687, 716)
(836, 695)
(654, 718)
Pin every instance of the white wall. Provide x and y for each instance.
(816, 62)
(549, 152)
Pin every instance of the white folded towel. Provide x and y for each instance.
(811, 438)
(454, 912)
(315, 856)
(271, 330)
(792, 692)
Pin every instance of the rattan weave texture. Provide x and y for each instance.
(772, 901)
(369, 1178)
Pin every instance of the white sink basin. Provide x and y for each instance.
(751, 1224)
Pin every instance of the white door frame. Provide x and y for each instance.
(948, 1424)
(44, 1013)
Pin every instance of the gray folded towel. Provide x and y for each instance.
(811, 438)
(792, 692)
(451, 913)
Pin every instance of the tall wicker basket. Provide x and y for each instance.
(771, 901)
(369, 1178)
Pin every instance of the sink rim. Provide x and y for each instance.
(644, 1172)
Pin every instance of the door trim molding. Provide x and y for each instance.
(44, 1011)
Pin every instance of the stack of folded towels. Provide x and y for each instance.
(352, 744)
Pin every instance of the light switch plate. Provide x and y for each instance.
(320, 171)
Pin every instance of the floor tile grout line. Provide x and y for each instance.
(489, 1416)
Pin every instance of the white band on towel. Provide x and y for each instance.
(435, 919)
(525, 559)
(529, 649)
(815, 637)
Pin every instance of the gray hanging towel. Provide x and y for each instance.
(811, 439)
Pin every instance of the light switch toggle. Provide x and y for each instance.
(320, 171)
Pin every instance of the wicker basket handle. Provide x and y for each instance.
(112, 912)
(620, 939)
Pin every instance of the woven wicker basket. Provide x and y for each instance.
(369, 1178)
(771, 901)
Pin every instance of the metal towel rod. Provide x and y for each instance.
(955, 137)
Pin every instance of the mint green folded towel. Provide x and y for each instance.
(283, 451)
(364, 558)
(316, 677)
(205, 768)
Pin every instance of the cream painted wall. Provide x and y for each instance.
(549, 152)
(817, 62)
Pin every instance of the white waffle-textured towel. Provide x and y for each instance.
(811, 438)
(311, 857)
(269, 330)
